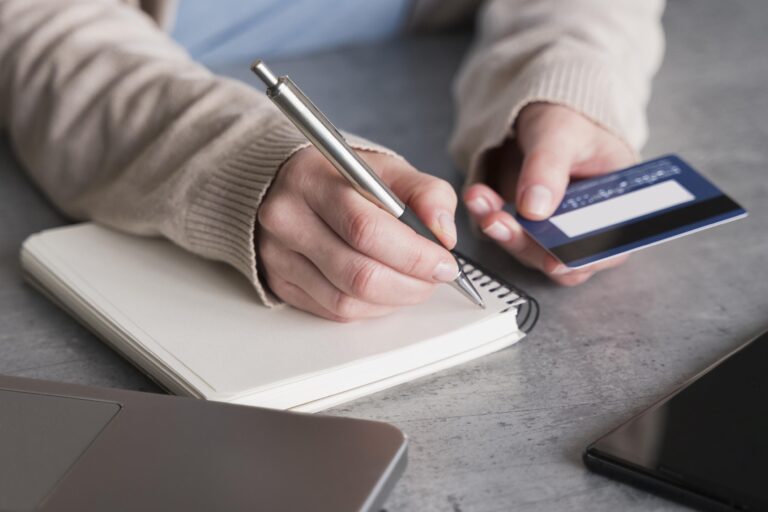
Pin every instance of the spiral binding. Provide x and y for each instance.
(527, 307)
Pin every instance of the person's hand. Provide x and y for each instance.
(326, 249)
(553, 145)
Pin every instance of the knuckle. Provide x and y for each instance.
(362, 231)
(362, 278)
(294, 168)
(436, 187)
(272, 215)
(278, 215)
(443, 187)
(416, 262)
(298, 178)
(345, 307)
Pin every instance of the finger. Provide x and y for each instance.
(481, 200)
(347, 269)
(507, 232)
(296, 269)
(567, 276)
(604, 264)
(374, 232)
(298, 298)
(572, 278)
(610, 262)
(432, 199)
(543, 178)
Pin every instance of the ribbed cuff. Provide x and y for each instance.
(361, 144)
(221, 221)
(584, 86)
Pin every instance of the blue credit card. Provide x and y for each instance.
(630, 209)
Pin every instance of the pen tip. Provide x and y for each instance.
(464, 285)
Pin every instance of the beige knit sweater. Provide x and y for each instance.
(117, 124)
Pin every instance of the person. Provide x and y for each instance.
(117, 124)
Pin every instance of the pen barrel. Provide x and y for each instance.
(329, 141)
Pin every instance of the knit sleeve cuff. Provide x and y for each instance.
(586, 86)
(221, 221)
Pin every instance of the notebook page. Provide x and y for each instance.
(203, 319)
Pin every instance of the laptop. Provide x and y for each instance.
(66, 447)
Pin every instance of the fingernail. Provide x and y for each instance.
(537, 200)
(560, 270)
(447, 225)
(498, 231)
(479, 206)
(445, 272)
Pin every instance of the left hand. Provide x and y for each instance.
(553, 145)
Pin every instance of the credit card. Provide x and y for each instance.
(630, 209)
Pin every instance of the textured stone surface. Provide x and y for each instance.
(506, 432)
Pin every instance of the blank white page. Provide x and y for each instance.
(204, 321)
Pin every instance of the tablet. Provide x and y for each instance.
(705, 445)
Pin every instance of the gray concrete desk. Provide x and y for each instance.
(506, 432)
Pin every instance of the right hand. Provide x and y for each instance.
(327, 250)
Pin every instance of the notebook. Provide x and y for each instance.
(197, 328)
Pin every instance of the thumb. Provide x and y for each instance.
(544, 176)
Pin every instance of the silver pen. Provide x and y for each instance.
(327, 139)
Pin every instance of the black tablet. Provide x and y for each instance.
(706, 444)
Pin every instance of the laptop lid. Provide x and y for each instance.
(69, 447)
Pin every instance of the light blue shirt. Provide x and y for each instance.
(239, 30)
